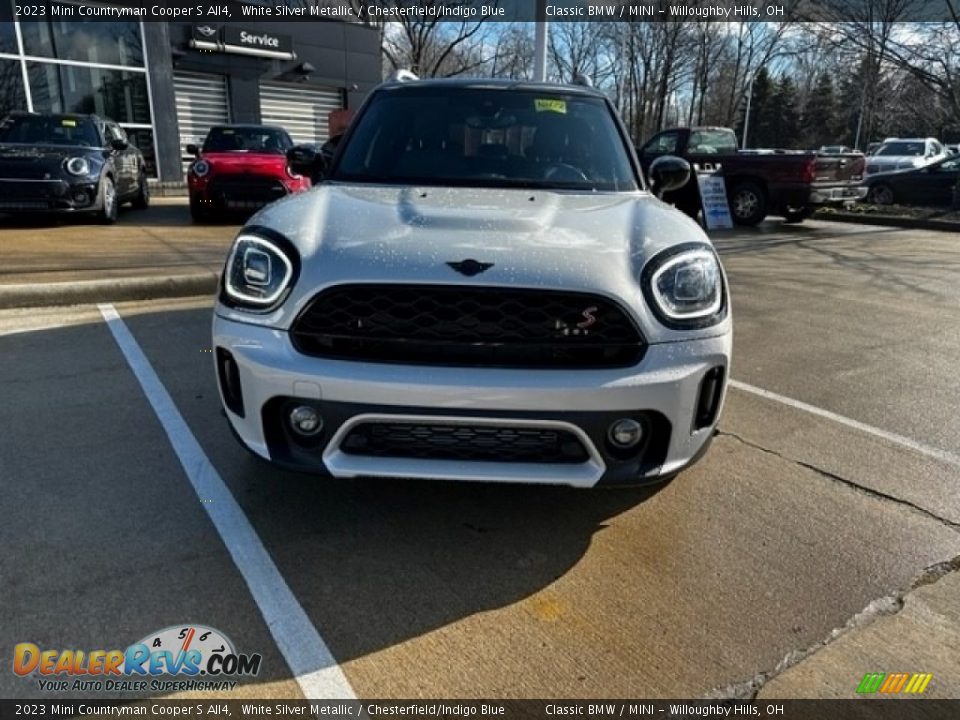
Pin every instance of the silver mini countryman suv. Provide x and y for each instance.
(480, 286)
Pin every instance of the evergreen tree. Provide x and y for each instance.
(785, 125)
(758, 130)
(819, 120)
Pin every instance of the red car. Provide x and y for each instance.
(240, 168)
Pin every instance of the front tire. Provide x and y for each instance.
(199, 213)
(880, 194)
(795, 215)
(109, 202)
(141, 201)
(748, 203)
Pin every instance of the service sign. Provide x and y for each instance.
(256, 39)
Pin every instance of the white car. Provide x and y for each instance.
(905, 154)
(481, 287)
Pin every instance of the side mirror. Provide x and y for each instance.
(118, 144)
(192, 149)
(668, 173)
(329, 148)
(306, 160)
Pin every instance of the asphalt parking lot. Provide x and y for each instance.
(832, 488)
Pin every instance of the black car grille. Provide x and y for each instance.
(467, 326)
(464, 442)
(245, 191)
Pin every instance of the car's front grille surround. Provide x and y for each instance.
(245, 189)
(464, 442)
(477, 326)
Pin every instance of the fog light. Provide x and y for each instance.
(80, 198)
(625, 433)
(305, 420)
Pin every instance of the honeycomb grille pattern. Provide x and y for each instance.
(474, 326)
(464, 442)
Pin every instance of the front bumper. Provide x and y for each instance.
(240, 192)
(663, 392)
(827, 196)
(24, 195)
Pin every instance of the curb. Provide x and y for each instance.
(115, 290)
(888, 221)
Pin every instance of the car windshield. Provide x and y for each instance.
(50, 130)
(487, 137)
(247, 140)
(902, 148)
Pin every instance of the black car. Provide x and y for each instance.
(69, 164)
(929, 185)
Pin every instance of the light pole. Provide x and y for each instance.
(540, 50)
(746, 117)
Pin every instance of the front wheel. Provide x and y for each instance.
(199, 213)
(109, 204)
(880, 194)
(141, 201)
(748, 203)
(796, 215)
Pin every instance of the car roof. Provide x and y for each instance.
(246, 126)
(491, 84)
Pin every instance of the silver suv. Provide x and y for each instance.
(480, 287)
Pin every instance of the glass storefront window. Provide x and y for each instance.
(12, 95)
(8, 35)
(143, 139)
(115, 94)
(103, 42)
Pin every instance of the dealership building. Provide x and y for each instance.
(167, 83)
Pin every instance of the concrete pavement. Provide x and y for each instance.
(153, 253)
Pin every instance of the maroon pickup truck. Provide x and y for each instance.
(759, 183)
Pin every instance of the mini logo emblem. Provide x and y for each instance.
(470, 267)
(206, 30)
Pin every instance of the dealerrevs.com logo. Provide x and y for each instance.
(188, 652)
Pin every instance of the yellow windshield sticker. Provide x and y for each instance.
(66, 122)
(546, 105)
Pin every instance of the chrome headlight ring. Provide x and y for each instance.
(685, 287)
(260, 270)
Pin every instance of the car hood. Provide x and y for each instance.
(595, 243)
(916, 160)
(243, 162)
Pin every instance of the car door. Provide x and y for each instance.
(125, 160)
(934, 185)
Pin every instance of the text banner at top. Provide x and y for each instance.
(378, 11)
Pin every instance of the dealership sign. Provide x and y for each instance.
(242, 41)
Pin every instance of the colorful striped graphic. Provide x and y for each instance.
(892, 683)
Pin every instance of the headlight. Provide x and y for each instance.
(685, 286)
(77, 166)
(258, 272)
(201, 168)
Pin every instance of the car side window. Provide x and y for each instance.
(663, 144)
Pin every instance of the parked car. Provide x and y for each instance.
(905, 154)
(872, 148)
(835, 150)
(71, 164)
(240, 168)
(483, 287)
(930, 185)
(791, 184)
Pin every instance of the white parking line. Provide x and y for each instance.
(932, 452)
(309, 658)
